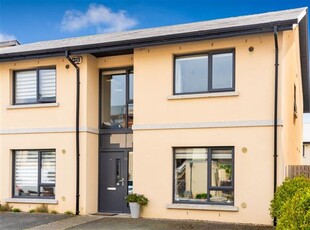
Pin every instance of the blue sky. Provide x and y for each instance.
(37, 20)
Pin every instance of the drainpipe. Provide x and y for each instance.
(275, 155)
(77, 132)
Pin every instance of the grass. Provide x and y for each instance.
(16, 210)
(41, 209)
(68, 213)
(5, 208)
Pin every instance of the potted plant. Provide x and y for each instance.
(135, 202)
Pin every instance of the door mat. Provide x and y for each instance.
(104, 214)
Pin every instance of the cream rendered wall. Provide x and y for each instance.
(65, 166)
(153, 78)
(156, 111)
(53, 127)
(290, 71)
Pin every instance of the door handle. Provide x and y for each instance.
(111, 188)
(120, 182)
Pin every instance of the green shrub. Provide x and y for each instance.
(41, 209)
(296, 212)
(137, 198)
(54, 212)
(285, 193)
(32, 211)
(201, 196)
(5, 208)
(16, 210)
(68, 213)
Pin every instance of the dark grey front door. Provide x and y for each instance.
(113, 171)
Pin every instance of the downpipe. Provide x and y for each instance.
(77, 132)
(275, 125)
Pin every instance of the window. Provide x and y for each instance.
(204, 175)
(211, 72)
(306, 149)
(117, 99)
(35, 86)
(34, 173)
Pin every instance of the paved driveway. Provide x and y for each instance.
(151, 224)
(10, 221)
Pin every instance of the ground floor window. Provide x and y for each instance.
(34, 173)
(204, 175)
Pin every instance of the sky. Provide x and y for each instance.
(38, 20)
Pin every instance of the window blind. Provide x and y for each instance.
(47, 84)
(26, 171)
(25, 86)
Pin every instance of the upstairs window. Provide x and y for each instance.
(117, 99)
(204, 73)
(35, 86)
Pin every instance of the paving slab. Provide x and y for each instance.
(9, 220)
(67, 223)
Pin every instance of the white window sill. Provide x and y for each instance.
(29, 106)
(226, 208)
(203, 95)
(31, 201)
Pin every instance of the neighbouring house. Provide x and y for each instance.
(201, 118)
(306, 139)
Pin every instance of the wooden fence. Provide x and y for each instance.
(297, 170)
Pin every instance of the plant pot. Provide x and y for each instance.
(134, 209)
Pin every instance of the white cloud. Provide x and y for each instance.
(6, 37)
(98, 16)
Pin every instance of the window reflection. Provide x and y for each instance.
(203, 175)
(191, 74)
(130, 172)
(114, 96)
(117, 100)
(222, 71)
(190, 174)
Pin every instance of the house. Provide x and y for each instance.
(201, 118)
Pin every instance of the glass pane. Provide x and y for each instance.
(113, 141)
(130, 115)
(130, 173)
(48, 167)
(221, 168)
(191, 174)
(222, 71)
(222, 196)
(47, 87)
(26, 87)
(118, 174)
(114, 101)
(131, 86)
(26, 173)
(47, 191)
(191, 74)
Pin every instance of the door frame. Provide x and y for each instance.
(102, 131)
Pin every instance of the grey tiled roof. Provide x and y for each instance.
(293, 15)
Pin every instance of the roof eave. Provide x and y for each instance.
(304, 59)
(152, 41)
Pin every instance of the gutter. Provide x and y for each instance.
(275, 155)
(150, 41)
(77, 132)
